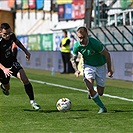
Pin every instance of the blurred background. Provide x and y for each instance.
(38, 24)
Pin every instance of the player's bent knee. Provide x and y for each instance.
(100, 90)
(7, 86)
(84, 79)
(100, 94)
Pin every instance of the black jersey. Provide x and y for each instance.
(6, 54)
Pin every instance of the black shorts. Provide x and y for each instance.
(15, 68)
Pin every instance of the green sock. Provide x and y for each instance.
(98, 101)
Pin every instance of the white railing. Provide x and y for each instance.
(126, 18)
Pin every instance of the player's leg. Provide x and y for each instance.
(94, 95)
(89, 85)
(5, 88)
(4, 83)
(89, 73)
(100, 81)
(89, 77)
(100, 90)
(21, 75)
(28, 88)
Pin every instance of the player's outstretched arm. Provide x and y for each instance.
(20, 45)
(108, 60)
(7, 71)
(74, 65)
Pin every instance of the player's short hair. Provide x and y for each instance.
(82, 29)
(4, 26)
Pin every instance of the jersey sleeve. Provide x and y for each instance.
(97, 45)
(13, 37)
(75, 50)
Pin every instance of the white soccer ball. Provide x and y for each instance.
(63, 104)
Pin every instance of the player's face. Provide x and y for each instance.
(6, 33)
(83, 38)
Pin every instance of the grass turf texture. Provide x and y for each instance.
(17, 116)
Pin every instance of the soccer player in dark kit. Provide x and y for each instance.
(9, 66)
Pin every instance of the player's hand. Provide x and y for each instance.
(28, 55)
(7, 72)
(77, 73)
(110, 73)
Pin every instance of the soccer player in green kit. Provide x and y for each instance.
(95, 58)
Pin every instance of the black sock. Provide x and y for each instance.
(29, 91)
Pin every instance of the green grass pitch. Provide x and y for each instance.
(17, 116)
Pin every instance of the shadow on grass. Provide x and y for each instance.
(117, 111)
(77, 110)
(41, 111)
(51, 111)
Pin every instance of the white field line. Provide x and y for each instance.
(76, 89)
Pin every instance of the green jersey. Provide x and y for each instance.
(91, 52)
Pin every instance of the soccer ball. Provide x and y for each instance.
(63, 104)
